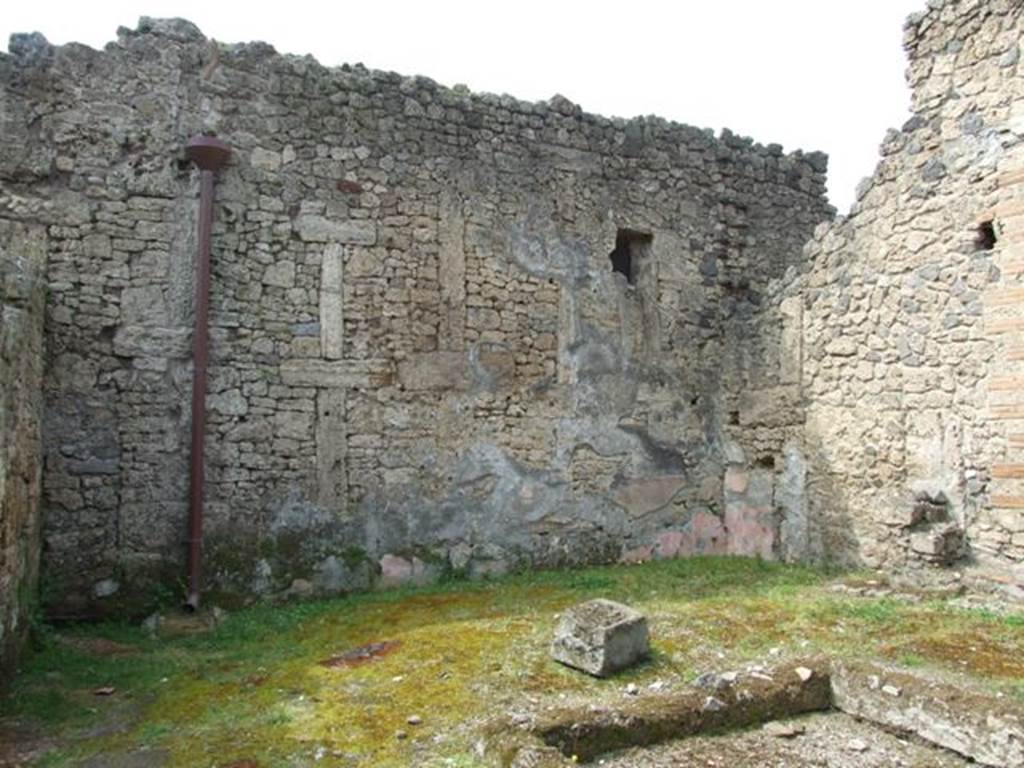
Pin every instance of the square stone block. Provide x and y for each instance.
(600, 637)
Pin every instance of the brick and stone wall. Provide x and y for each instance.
(912, 318)
(422, 359)
(22, 294)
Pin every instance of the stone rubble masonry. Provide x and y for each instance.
(22, 294)
(422, 361)
(911, 375)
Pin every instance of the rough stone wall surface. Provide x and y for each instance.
(421, 356)
(912, 318)
(22, 292)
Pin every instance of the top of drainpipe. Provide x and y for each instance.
(207, 152)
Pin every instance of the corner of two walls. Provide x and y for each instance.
(766, 475)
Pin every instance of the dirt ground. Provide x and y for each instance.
(827, 740)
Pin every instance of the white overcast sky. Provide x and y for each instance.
(808, 74)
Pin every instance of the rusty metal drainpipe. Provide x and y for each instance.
(209, 154)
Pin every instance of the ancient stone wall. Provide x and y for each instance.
(423, 359)
(912, 321)
(22, 293)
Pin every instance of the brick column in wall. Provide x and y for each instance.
(1004, 325)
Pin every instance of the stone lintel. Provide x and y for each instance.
(319, 229)
(340, 373)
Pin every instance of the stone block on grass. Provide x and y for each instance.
(601, 637)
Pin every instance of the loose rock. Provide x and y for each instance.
(711, 704)
(782, 730)
(857, 745)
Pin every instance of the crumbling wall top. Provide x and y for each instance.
(32, 52)
(945, 42)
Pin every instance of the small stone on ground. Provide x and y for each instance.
(781, 730)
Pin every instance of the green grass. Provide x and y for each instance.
(255, 685)
(912, 660)
(873, 611)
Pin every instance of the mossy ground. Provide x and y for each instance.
(254, 691)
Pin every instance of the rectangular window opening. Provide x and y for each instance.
(630, 247)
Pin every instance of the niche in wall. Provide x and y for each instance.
(985, 239)
(631, 247)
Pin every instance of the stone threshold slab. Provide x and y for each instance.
(979, 725)
(564, 737)
(987, 728)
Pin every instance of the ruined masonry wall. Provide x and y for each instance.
(422, 360)
(912, 324)
(22, 293)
